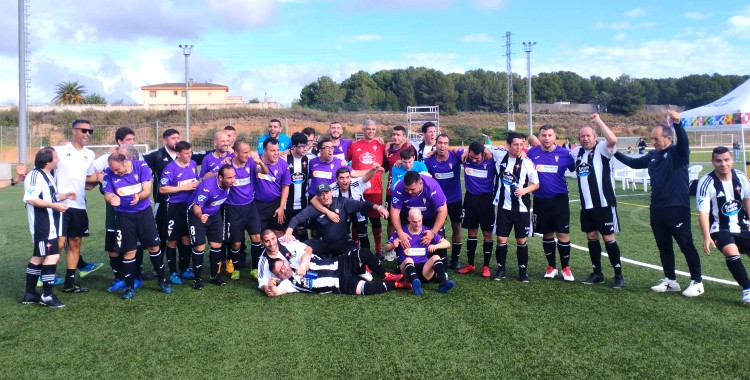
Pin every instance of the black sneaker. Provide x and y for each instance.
(499, 275)
(31, 298)
(524, 277)
(594, 278)
(51, 301)
(454, 266)
(75, 289)
(218, 281)
(198, 284)
(619, 282)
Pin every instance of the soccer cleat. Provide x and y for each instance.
(90, 268)
(619, 282)
(128, 294)
(524, 277)
(390, 256)
(116, 285)
(164, 286)
(567, 275)
(594, 278)
(31, 298)
(468, 268)
(254, 273)
(403, 284)
(137, 283)
(235, 275)
(188, 274)
(229, 267)
(51, 301)
(175, 278)
(746, 296)
(392, 277)
(446, 286)
(486, 272)
(694, 289)
(218, 281)
(75, 289)
(198, 284)
(499, 275)
(550, 273)
(666, 285)
(367, 276)
(416, 287)
(57, 281)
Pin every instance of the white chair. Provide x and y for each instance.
(641, 175)
(694, 172)
(626, 176)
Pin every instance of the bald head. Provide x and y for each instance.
(221, 141)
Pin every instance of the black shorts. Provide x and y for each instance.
(134, 229)
(265, 215)
(176, 221)
(289, 214)
(724, 238)
(601, 219)
(110, 229)
(331, 248)
(552, 214)
(519, 221)
(478, 211)
(240, 219)
(456, 212)
(213, 229)
(44, 248)
(161, 216)
(75, 223)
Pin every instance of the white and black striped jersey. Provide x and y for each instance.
(723, 201)
(43, 221)
(322, 277)
(357, 187)
(596, 182)
(300, 173)
(288, 251)
(512, 173)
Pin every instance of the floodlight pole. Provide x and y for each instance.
(186, 49)
(527, 47)
(23, 120)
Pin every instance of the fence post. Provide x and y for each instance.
(157, 133)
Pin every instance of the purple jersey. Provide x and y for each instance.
(175, 175)
(428, 200)
(211, 164)
(127, 185)
(417, 252)
(323, 172)
(447, 174)
(268, 186)
(480, 178)
(209, 196)
(339, 151)
(243, 191)
(551, 168)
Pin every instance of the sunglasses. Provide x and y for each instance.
(85, 130)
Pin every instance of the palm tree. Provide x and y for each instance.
(69, 93)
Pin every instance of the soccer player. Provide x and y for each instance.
(178, 180)
(479, 176)
(274, 130)
(551, 202)
(43, 209)
(312, 141)
(205, 222)
(596, 187)
(723, 200)
(70, 176)
(218, 157)
(670, 202)
(323, 168)
(240, 209)
(408, 163)
(421, 262)
(274, 248)
(517, 178)
(334, 235)
(364, 154)
(298, 166)
(429, 136)
(340, 145)
(127, 187)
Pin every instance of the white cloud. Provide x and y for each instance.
(478, 38)
(242, 13)
(696, 15)
(739, 24)
(620, 37)
(637, 12)
(611, 25)
(361, 38)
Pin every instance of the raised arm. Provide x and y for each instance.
(633, 162)
(683, 143)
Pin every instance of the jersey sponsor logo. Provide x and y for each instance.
(322, 174)
(242, 181)
(447, 175)
(164, 181)
(130, 190)
(298, 178)
(187, 181)
(415, 251)
(583, 169)
(731, 208)
(218, 202)
(266, 177)
(478, 173)
(367, 158)
(509, 179)
(201, 198)
(546, 168)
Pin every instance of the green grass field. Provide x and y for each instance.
(481, 329)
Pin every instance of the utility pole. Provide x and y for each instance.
(186, 49)
(510, 112)
(527, 47)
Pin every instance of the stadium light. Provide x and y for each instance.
(527, 47)
(186, 49)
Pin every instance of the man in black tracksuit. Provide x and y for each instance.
(670, 202)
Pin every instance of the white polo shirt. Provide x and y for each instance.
(70, 175)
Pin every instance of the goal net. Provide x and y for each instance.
(711, 141)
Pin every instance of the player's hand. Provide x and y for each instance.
(594, 118)
(227, 160)
(404, 239)
(288, 238)
(429, 154)
(380, 140)
(427, 237)
(135, 200)
(99, 176)
(707, 244)
(334, 217)
(273, 281)
(21, 169)
(383, 212)
(60, 207)
(302, 269)
(279, 215)
(114, 201)
(521, 155)
(377, 167)
(204, 218)
(431, 248)
(520, 191)
(71, 195)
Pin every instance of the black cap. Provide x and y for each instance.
(323, 187)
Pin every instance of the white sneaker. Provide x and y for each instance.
(390, 255)
(667, 285)
(550, 273)
(694, 290)
(567, 275)
(746, 296)
(367, 276)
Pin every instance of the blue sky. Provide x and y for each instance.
(278, 46)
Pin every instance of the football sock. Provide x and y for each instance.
(471, 249)
(564, 249)
(214, 258)
(734, 263)
(548, 245)
(595, 253)
(613, 251)
(439, 268)
(487, 252)
(129, 269)
(171, 253)
(501, 253)
(197, 263)
(33, 271)
(522, 251)
(411, 272)
(157, 260)
(48, 279)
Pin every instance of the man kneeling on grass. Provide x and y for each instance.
(312, 274)
(420, 262)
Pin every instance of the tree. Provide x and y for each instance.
(547, 88)
(94, 98)
(323, 94)
(362, 93)
(628, 97)
(434, 88)
(69, 93)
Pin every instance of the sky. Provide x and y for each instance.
(276, 47)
